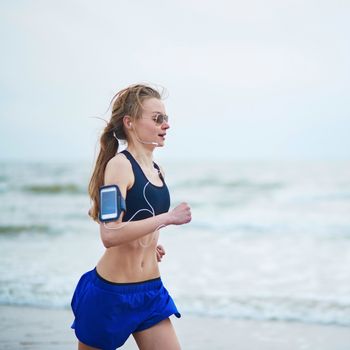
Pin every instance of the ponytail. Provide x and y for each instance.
(108, 148)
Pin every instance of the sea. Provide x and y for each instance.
(268, 240)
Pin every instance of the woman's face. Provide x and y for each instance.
(153, 124)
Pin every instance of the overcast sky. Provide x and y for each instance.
(245, 79)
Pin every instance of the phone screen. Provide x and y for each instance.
(109, 202)
(109, 208)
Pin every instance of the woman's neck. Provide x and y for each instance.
(143, 156)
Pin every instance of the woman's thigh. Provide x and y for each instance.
(159, 337)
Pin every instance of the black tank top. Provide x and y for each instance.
(158, 197)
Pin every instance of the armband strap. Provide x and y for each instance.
(122, 203)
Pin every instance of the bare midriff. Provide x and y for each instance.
(131, 262)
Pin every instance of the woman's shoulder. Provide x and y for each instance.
(118, 167)
(119, 159)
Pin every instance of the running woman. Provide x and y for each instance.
(124, 293)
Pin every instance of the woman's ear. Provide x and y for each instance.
(127, 121)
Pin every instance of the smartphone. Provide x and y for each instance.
(109, 208)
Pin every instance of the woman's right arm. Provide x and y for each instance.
(119, 172)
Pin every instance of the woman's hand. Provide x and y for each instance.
(160, 251)
(180, 214)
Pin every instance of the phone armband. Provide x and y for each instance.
(112, 203)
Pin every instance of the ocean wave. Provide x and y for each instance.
(54, 189)
(274, 308)
(230, 228)
(13, 229)
(332, 197)
(238, 184)
(3, 187)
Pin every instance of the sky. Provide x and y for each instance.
(247, 80)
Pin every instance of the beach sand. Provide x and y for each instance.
(38, 329)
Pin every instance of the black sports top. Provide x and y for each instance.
(157, 196)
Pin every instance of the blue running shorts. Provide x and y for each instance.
(106, 313)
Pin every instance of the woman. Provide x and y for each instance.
(124, 294)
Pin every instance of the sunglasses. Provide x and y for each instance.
(159, 119)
